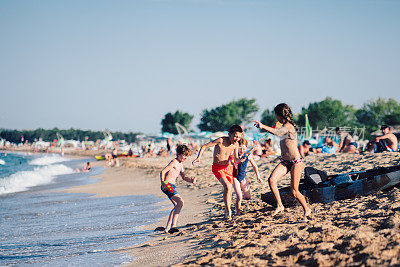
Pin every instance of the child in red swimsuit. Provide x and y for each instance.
(221, 168)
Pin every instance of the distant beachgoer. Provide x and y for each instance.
(386, 142)
(144, 150)
(347, 143)
(239, 182)
(114, 154)
(257, 150)
(86, 168)
(163, 152)
(168, 178)
(304, 149)
(329, 147)
(169, 144)
(108, 158)
(130, 152)
(149, 151)
(195, 147)
(267, 149)
(291, 160)
(221, 168)
(329, 142)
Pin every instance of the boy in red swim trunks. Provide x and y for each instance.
(222, 169)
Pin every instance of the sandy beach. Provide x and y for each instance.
(361, 231)
(140, 177)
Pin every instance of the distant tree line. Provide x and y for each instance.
(326, 113)
(16, 136)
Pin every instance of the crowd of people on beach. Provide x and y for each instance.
(230, 160)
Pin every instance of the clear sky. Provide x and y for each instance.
(123, 65)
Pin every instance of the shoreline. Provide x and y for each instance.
(129, 180)
(360, 231)
(364, 230)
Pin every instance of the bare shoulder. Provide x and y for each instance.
(225, 140)
(220, 140)
(173, 163)
(289, 127)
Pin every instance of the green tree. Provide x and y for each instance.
(327, 113)
(221, 118)
(49, 135)
(168, 123)
(378, 112)
(268, 117)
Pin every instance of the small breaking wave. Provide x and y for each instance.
(48, 160)
(2, 162)
(21, 181)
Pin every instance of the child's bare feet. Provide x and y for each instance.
(278, 209)
(238, 213)
(173, 230)
(159, 229)
(228, 215)
(307, 212)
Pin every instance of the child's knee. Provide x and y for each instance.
(295, 192)
(229, 188)
(180, 203)
(272, 180)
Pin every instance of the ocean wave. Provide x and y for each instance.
(2, 162)
(21, 181)
(47, 160)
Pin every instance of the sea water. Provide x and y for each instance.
(41, 225)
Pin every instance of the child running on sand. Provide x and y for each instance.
(168, 178)
(291, 160)
(239, 182)
(223, 171)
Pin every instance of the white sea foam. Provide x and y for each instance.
(47, 160)
(2, 162)
(21, 181)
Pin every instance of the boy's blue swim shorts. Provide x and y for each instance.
(168, 193)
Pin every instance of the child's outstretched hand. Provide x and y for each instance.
(257, 123)
(193, 180)
(197, 160)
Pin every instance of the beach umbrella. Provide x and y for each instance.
(308, 130)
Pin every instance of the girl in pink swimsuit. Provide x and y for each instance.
(291, 160)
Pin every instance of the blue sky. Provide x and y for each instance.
(123, 65)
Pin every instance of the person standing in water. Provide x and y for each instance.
(114, 155)
(291, 160)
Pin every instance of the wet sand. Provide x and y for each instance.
(360, 231)
(163, 249)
